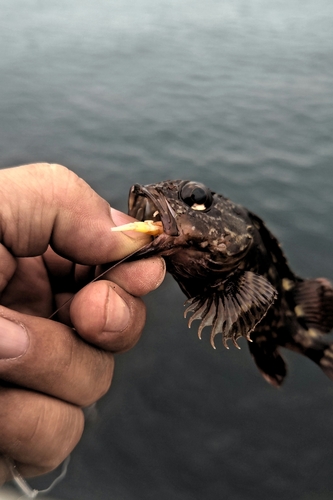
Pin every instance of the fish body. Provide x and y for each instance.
(236, 276)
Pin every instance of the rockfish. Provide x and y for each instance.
(235, 275)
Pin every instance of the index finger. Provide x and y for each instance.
(45, 204)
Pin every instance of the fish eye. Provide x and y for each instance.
(196, 195)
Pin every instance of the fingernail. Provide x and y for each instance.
(14, 340)
(119, 218)
(118, 314)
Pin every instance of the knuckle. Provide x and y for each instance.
(99, 381)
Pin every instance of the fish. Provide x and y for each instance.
(234, 274)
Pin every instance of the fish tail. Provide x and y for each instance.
(326, 361)
(320, 351)
(314, 304)
(314, 311)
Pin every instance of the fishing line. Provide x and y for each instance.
(125, 259)
(25, 488)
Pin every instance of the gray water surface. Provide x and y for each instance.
(232, 93)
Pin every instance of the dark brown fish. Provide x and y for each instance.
(236, 276)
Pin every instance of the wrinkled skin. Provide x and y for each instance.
(54, 231)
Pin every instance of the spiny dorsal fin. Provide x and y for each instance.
(234, 308)
(314, 303)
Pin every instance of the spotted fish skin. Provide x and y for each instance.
(235, 275)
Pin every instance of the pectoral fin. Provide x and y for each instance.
(234, 307)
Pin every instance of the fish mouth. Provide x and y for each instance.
(148, 203)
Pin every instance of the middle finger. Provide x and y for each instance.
(56, 361)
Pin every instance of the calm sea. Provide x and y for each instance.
(239, 95)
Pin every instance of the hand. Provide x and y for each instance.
(54, 230)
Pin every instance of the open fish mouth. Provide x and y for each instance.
(150, 204)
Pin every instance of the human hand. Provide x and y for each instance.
(54, 230)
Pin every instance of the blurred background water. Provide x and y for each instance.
(232, 93)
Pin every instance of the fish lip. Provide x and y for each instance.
(138, 199)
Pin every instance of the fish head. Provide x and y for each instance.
(201, 228)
